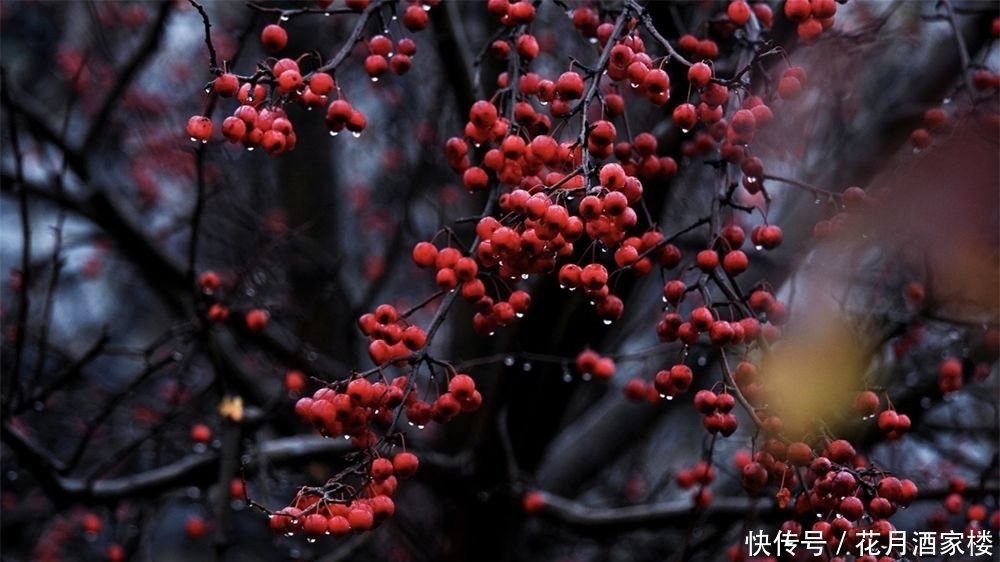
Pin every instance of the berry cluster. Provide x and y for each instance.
(260, 119)
(358, 499)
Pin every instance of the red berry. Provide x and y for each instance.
(656, 84)
(735, 262)
(415, 18)
(685, 116)
(200, 433)
(256, 320)
(738, 11)
(274, 37)
(569, 85)
(533, 502)
(405, 464)
(199, 128)
(195, 527)
(699, 74)
(707, 260)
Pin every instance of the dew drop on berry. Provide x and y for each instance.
(607, 322)
(508, 361)
(426, 7)
(283, 17)
(374, 78)
(309, 540)
(356, 134)
(334, 133)
(758, 247)
(683, 130)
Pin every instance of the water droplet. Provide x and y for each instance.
(289, 534)
(283, 17)
(519, 314)
(634, 85)
(200, 447)
(327, 14)
(916, 150)
(701, 361)
(310, 540)
(426, 7)
(250, 291)
(374, 78)
(817, 201)
(683, 130)
(490, 334)
(526, 366)
(607, 322)
(567, 377)
(420, 426)
(669, 397)
(543, 102)
(208, 90)
(11, 475)
(334, 133)
(750, 179)
(508, 361)
(587, 376)
(194, 139)
(347, 438)
(572, 289)
(356, 134)
(758, 247)
(249, 149)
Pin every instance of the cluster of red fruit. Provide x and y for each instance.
(811, 16)
(339, 508)
(455, 270)
(356, 411)
(255, 319)
(701, 475)
(260, 119)
(390, 336)
(383, 55)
